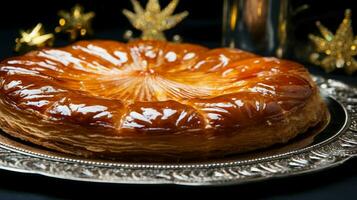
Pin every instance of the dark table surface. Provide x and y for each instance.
(336, 183)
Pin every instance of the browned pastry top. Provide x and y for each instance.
(153, 86)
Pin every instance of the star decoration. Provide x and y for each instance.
(76, 23)
(33, 39)
(153, 21)
(336, 51)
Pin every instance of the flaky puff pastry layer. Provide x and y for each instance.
(155, 100)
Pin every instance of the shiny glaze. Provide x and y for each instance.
(154, 86)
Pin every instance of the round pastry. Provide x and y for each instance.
(155, 100)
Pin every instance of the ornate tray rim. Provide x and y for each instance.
(334, 151)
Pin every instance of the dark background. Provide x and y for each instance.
(202, 26)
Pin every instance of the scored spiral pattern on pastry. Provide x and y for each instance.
(154, 87)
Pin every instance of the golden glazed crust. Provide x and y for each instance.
(157, 99)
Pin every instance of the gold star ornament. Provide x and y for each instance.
(152, 21)
(76, 23)
(33, 39)
(336, 51)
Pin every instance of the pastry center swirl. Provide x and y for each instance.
(151, 72)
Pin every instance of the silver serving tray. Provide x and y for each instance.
(326, 146)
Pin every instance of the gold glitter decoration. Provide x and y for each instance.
(76, 23)
(153, 21)
(336, 51)
(33, 39)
